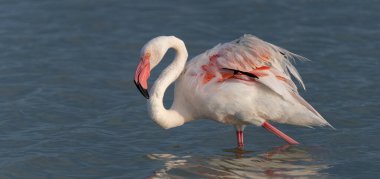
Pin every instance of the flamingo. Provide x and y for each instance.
(242, 82)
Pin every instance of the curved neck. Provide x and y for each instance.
(164, 117)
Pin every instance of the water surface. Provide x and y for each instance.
(69, 109)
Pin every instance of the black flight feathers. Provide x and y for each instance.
(242, 72)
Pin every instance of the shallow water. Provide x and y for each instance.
(69, 109)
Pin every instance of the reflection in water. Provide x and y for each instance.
(286, 161)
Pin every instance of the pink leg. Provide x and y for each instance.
(278, 133)
(240, 138)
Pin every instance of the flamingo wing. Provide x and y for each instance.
(253, 60)
(249, 54)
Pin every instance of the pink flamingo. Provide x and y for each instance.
(246, 81)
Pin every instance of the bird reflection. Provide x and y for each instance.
(281, 162)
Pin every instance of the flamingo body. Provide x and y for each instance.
(246, 81)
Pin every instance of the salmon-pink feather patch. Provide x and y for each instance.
(263, 68)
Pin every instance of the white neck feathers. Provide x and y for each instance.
(163, 117)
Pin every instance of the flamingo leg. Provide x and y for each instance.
(240, 138)
(278, 133)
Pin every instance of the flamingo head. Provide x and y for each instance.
(151, 54)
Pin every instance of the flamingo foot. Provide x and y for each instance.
(278, 133)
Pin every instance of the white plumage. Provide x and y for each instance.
(246, 81)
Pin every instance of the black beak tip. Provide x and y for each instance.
(143, 91)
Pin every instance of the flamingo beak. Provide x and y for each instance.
(141, 76)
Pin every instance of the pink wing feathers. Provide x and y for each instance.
(250, 60)
(250, 54)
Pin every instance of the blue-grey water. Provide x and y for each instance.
(69, 108)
